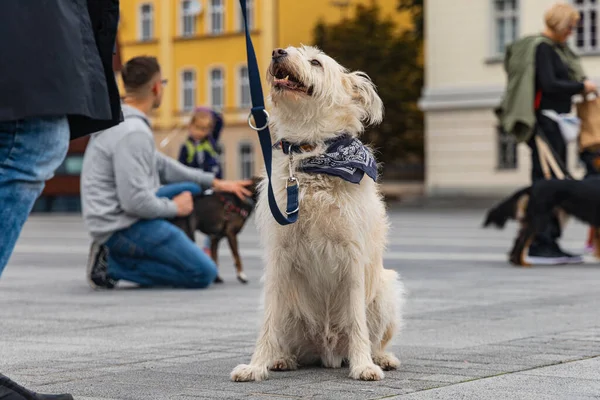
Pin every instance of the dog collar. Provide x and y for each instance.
(289, 147)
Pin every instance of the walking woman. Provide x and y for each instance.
(543, 75)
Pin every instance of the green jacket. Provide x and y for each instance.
(516, 111)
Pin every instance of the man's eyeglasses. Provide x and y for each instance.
(164, 82)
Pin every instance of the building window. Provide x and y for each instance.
(506, 23)
(507, 150)
(188, 19)
(246, 158)
(586, 36)
(217, 88)
(245, 99)
(249, 15)
(188, 90)
(146, 22)
(217, 17)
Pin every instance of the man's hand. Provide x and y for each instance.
(236, 187)
(184, 203)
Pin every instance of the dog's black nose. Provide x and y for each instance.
(278, 53)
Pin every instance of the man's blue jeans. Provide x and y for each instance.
(30, 150)
(157, 253)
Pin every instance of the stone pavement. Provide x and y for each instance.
(476, 328)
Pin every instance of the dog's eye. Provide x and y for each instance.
(316, 63)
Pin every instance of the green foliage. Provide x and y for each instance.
(415, 7)
(374, 45)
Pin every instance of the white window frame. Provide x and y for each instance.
(250, 13)
(243, 160)
(212, 10)
(186, 87)
(585, 11)
(142, 18)
(504, 15)
(186, 16)
(212, 86)
(243, 85)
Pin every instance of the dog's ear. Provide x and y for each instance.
(364, 92)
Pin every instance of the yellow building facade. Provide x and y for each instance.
(200, 45)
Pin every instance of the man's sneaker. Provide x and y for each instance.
(97, 268)
(571, 258)
(11, 390)
(551, 254)
(545, 255)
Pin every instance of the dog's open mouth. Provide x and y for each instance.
(284, 79)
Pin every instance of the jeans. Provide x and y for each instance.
(157, 253)
(30, 151)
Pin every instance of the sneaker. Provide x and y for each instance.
(569, 257)
(97, 268)
(545, 255)
(11, 390)
(572, 258)
(588, 249)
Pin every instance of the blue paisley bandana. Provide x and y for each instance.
(346, 157)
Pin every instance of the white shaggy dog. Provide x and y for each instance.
(327, 297)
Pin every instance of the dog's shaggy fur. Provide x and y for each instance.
(327, 297)
(580, 199)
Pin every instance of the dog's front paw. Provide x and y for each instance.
(242, 277)
(387, 361)
(247, 373)
(284, 364)
(369, 372)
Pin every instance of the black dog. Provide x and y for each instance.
(220, 215)
(580, 199)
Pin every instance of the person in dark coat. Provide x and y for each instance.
(57, 84)
(554, 86)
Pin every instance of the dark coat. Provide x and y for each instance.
(57, 60)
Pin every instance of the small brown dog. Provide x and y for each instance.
(220, 215)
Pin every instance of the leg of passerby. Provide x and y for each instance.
(30, 151)
(155, 253)
(544, 249)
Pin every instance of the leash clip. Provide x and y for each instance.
(292, 179)
(262, 127)
(292, 182)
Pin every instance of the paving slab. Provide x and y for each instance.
(475, 327)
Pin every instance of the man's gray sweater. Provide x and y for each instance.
(122, 170)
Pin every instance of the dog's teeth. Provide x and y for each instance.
(286, 78)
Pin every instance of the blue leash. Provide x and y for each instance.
(261, 119)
